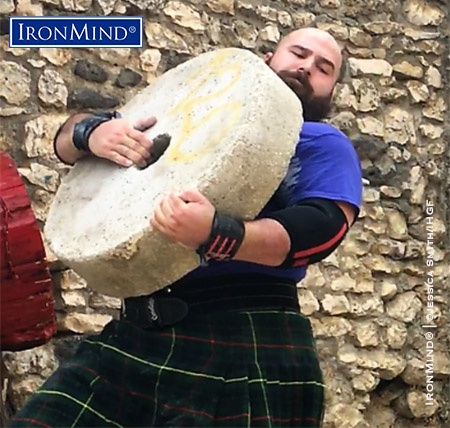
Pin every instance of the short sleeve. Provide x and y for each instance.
(325, 165)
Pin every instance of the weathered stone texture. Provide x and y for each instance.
(370, 300)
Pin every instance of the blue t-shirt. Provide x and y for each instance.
(325, 165)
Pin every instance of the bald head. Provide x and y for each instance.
(317, 36)
(312, 51)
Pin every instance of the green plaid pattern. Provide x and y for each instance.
(231, 369)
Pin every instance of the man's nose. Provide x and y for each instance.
(305, 67)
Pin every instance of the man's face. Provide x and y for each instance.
(308, 61)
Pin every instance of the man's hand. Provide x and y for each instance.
(122, 142)
(184, 217)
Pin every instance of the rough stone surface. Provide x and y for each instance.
(166, 262)
(128, 78)
(85, 98)
(392, 101)
(51, 89)
(90, 71)
(15, 82)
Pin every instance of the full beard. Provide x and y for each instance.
(315, 108)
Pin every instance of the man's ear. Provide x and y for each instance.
(267, 56)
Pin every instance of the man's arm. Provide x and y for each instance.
(117, 140)
(298, 235)
(267, 242)
(63, 145)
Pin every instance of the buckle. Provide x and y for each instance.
(150, 312)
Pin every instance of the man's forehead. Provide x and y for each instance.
(318, 41)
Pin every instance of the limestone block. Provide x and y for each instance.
(7, 6)
(308, 302)
(184, 16)
(225, 138)
(221, 6)
(404, 307)
(161, 37)
(41, 175)
(82, 323)
(421, 12)
(56, 56)
(378, 67)
(15, 82)
(52, 89)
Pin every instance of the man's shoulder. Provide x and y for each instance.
(318, 130)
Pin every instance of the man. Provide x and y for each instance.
(227, 345)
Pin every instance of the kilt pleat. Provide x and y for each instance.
(231, 369)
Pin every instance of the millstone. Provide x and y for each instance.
(233, 126)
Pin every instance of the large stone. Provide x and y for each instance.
(7, 6)
(39, 134)
(224, 136)
(421, 12)
(431, 131)
(367, 95)
(70, 280)
(56, 56)
(86, 98)
(330, 326)
(82, 323)
(308, 302)
(90, 71)
(405, 69)
(221, 6)
(389, 364)
(107, 6)
(115, 56)
(150, 59)
(270, 33)
(28, 8)
(15, 82)
(365, 382)
(335, 305)
(51, 89)
(433, 77)
(377, 67)
(404, 307)
(418, 91)
(184, 16)
(76, 5)
(347, 416)
(396, 334)
(366, 334)
(101, 301)
(162, 37)
(399, 126)
(359, 37)
(435, 109)
(74, 299)
(370, 125)
(41, 175)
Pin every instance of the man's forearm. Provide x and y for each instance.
(266, 242)
(64, 145)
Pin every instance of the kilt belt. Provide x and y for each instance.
(173, 304)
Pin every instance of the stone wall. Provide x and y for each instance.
(369, 300)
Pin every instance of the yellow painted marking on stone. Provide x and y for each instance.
(189, 105)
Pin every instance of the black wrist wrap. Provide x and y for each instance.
(226, 237)
(83, 129)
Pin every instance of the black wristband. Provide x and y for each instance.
(227, 234)
(84, 128)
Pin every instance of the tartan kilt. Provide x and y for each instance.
(231, 369)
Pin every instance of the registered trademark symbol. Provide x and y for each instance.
(132, 29)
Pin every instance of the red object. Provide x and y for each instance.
(26, 296)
